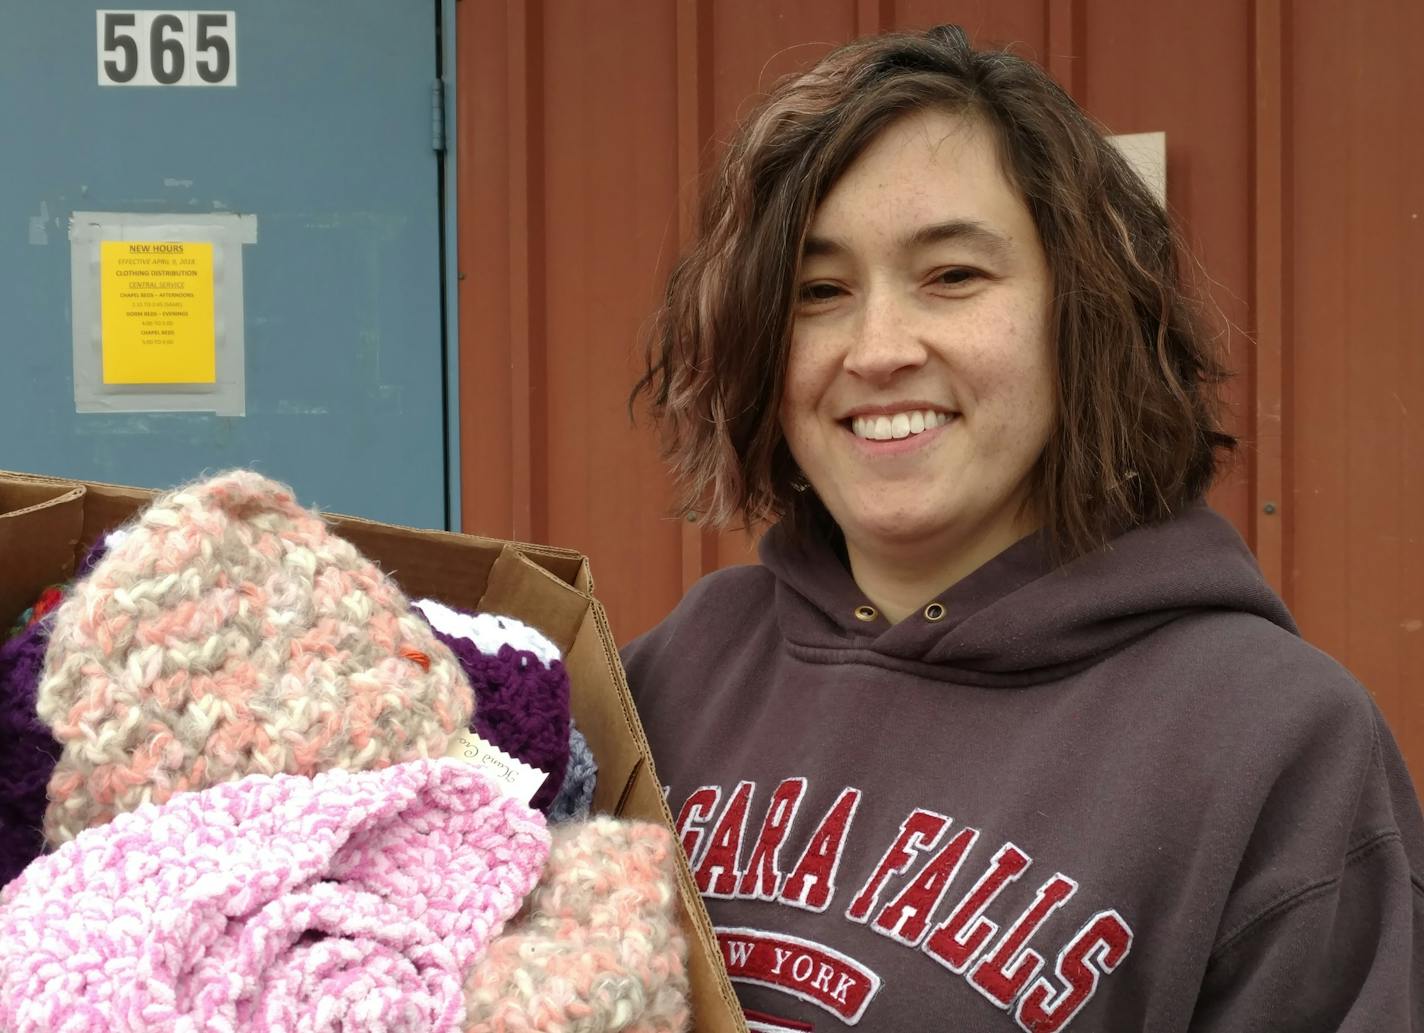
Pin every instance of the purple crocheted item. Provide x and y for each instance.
(347, 901)
(521, 706)
(27, 751)
(91, 558)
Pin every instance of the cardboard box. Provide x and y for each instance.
(47, 524)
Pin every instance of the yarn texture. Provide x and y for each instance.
(27, 750)
(521, 706)
(575, 798)
(521, 688)
(489, 631)
(47, 603)
(597, 946)
(346, 902)
(230, 633)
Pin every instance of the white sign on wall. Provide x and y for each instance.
(167, 48)
(1147, 154)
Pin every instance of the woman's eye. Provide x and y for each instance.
(819, 292)
(957, 277)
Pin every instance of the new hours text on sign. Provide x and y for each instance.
(157, 312)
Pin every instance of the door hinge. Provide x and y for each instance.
(437, 115)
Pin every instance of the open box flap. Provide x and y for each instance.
(47, 523)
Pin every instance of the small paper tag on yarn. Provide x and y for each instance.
(510, 776)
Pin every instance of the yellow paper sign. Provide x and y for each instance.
(156, 312)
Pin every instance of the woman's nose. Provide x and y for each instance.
(883, 342)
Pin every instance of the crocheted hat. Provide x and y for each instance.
(230, 633)
(597, 946)
(28, 757)
(521, 688)
(489, 631)
(350, 901)
(29, 752)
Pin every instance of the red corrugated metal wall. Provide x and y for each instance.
(582, 130)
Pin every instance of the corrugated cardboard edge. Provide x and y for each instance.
(80, 511)
(510, 589)
(567, 565)
(120, 503)
(28, 558)
(642, 797)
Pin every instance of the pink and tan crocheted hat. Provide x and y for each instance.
(231, 633)
(597, 947)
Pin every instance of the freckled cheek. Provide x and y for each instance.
(1027, 405)
(798, 422)
(1013, 401)
(804, 388)
(997, 376)
(793, 404)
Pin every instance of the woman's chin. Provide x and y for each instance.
(895, 529)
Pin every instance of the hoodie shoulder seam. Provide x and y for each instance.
(1298, 895)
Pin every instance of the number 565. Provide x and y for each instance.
(167, 48)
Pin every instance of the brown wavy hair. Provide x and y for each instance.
(1137, 435)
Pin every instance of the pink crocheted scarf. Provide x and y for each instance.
(348, 901)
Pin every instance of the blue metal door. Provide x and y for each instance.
(326, 138)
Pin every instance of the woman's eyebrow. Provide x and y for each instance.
(822, 247)
(966, 231)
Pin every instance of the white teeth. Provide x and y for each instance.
(901, 425)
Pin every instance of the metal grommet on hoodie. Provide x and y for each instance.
(866, 613)
(934, 612)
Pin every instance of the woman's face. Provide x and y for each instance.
(919, 390)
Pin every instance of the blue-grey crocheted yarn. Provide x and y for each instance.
(575, 797)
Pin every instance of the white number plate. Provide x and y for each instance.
(167, 48)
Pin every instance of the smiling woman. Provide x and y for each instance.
(923, 311)
(1007, 730)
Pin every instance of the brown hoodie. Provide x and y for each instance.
(1121, 796)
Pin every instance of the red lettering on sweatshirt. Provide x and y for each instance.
(812, 882)
(815, 973)
(1002, 975)
(906, 918)
(999, 965)
(717, 871)
(920, 831)
(1098, 949)
(699, 807)
(955, 941)
(762, 878)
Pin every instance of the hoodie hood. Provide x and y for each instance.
(1017, 620)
